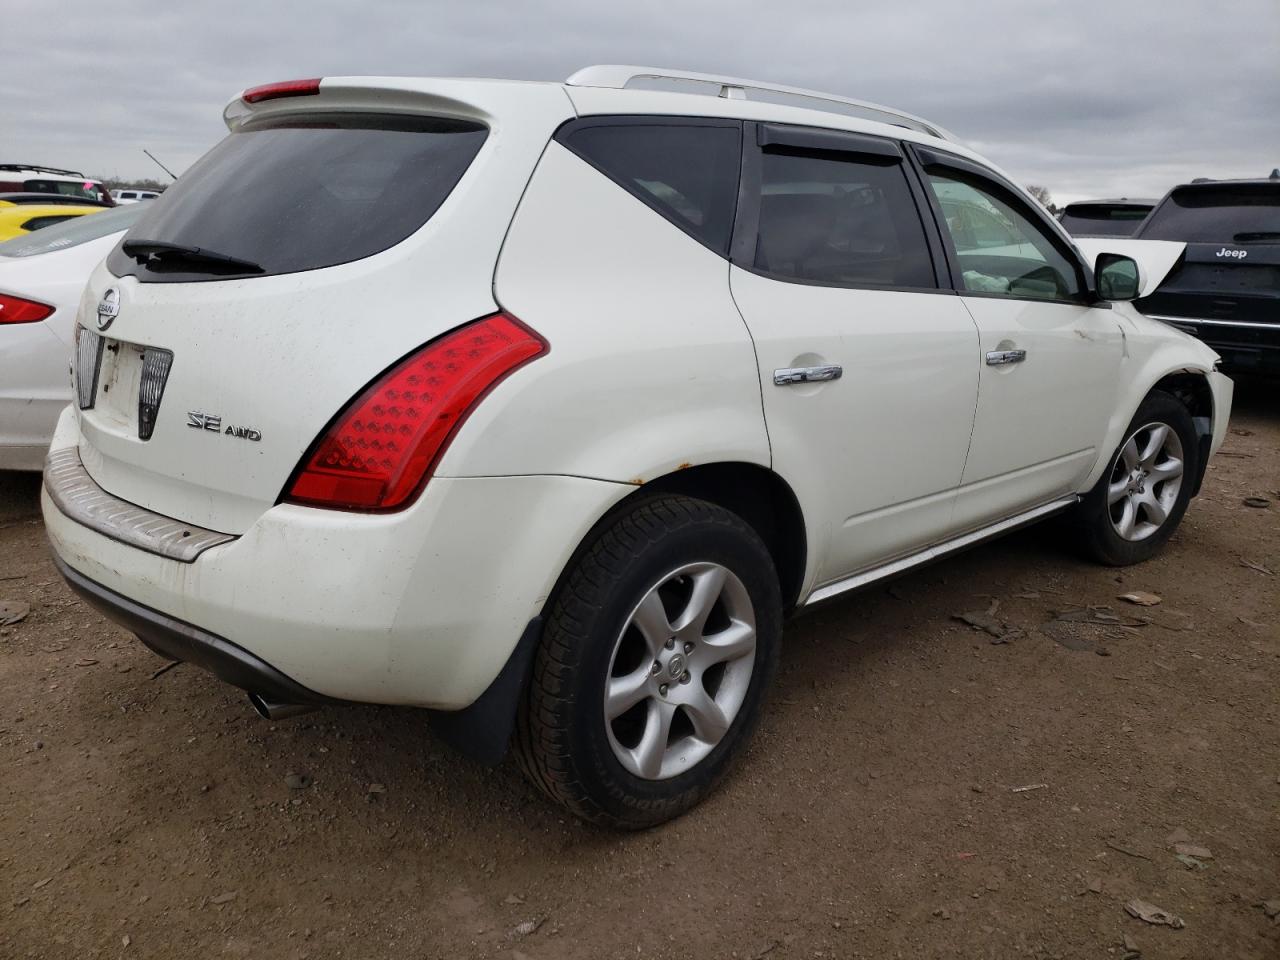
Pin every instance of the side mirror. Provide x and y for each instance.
(1116, 277)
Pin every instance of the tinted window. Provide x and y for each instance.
(688, 173)
(85, 190)
(40, 223)
(1217, 214)
(294, 194)
(1000, 249)
(830, 218)
(1100, 220)
(73, 232)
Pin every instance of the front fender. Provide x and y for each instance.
(1153, 351)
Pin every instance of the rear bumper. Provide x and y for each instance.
(176, 640)
(420, 608)
(1244, 347)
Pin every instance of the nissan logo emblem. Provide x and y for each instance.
(108, 308)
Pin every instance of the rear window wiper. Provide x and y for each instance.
(1257, 235)
(163, 251)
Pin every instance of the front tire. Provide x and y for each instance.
(1140, 498)
(652, 668)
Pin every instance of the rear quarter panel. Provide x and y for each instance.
(651, 367)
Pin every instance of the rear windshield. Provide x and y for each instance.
(1102, 220)
(1218, 214)
(73, 232)
(297, 194)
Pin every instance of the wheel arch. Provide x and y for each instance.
(1189, 382)
(1191, 388)
(760, 497)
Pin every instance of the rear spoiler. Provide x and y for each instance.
(1155, 258)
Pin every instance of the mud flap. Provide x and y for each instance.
(482, 731)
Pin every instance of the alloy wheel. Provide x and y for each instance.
(1145, 479)
(680, 671)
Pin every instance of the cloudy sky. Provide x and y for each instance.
(1087, 97)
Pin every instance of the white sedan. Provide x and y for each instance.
(41, 278)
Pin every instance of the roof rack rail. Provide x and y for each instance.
(618, 77)
(31, 166)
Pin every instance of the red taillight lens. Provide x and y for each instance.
(288, 88)
(17, 310)
(380, 451)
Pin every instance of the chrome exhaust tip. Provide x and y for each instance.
(274, 710)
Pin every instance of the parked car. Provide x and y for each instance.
(27, 178)
(554, 440)
(1105, 218)
(26, 212)
(133, 196)
(1226, 291)
(42, 276)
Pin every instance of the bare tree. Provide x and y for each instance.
(1042, 194)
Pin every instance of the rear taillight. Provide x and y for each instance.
(381, 449)
(287, 88)
(16, 310)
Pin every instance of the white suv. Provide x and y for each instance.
(541, 405)
(134, 196)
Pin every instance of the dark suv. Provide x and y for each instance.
(1226, 288)
(1105, 218)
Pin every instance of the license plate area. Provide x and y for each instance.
(121, 384)
(118, 381)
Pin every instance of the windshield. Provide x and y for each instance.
(1217, 214)
(72, 233)
(1100, 220)
(298, 193)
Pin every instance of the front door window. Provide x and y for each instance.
(1000, 250)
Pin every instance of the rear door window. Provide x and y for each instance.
(295, 194)
(1235, 213)
(839, 219)
(687, 171)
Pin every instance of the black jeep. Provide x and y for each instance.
(1226, 288)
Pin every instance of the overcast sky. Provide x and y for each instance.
(1087, 97)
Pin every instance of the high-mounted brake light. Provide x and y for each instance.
(382, 448)
(287, 88)
(16, 310)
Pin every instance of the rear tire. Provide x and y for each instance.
(1141, 496)
(651, 673)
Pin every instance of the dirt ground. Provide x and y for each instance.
(916, 790)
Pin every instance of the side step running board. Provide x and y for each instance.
(937, 551)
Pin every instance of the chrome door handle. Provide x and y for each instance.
(788, 375)
(997, 357)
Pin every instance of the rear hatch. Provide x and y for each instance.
(1104, 219)
(1231, 269)
(328, 236)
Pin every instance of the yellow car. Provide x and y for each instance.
(21, 213)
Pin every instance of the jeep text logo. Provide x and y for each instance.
(1233, 254)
